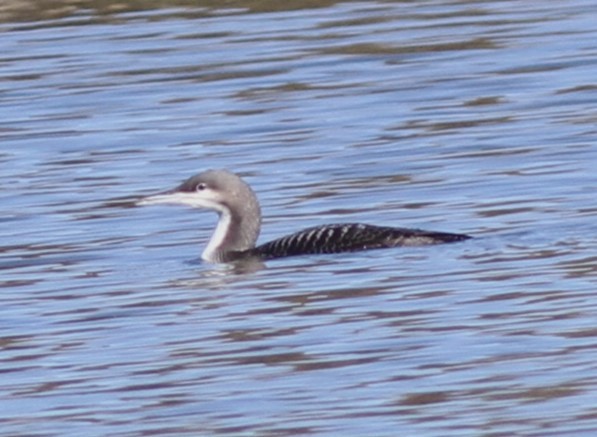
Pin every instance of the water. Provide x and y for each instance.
(472, 117)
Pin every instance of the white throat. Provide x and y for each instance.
(213, 250)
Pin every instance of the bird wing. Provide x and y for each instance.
(350, 237)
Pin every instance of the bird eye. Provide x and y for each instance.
(200, 187)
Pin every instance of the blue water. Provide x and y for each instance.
(463, 117)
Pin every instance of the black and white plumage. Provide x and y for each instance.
(350, 237)
(240, 221)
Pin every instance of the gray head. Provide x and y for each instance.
(228, 195)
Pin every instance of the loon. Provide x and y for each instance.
(239, 224)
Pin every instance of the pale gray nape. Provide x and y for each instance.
(240, 215)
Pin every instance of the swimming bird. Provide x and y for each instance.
(239, 224)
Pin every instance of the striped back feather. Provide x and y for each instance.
(349, 237)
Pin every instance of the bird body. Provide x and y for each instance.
(240, 222)
(350, 237)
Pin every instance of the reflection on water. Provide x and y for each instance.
(465, 117)
(39, 10)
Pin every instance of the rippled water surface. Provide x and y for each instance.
(472, 117)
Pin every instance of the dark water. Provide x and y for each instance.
(473, 117)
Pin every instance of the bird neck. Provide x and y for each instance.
(236, 232)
